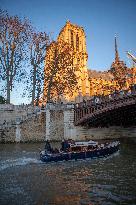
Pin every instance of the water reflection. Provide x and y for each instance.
(25, 180)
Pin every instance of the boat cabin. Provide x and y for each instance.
(83, 146)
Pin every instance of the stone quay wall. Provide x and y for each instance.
(55, 122)
(61, 126)
(33, 130)
(22, 124)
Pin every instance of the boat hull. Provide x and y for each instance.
(98, 153)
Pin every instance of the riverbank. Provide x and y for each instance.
(31, 124)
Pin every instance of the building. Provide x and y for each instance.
(118, 77)
(92, 82)
(75, 37)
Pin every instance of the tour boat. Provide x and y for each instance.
(81, 150)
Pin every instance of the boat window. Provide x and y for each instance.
(90, 147)
(75, 149)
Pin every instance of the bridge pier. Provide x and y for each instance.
(18, 133)
(48, 117)
(69, 129)
(60, 121)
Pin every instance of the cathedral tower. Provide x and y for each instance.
(75, 36)
(119, 69)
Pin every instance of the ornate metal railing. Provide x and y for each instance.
(90, 108)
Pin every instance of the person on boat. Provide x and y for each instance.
(65, 145)
(62, 145)
(48, 147)
(55, 151)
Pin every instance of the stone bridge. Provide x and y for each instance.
(93, 119)
(119, 111)
(107, 118)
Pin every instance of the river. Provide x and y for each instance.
(24, 180)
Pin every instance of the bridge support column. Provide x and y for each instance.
(48, 120)
(18, 133)
(69, 129)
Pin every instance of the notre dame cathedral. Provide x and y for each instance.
(91, 82)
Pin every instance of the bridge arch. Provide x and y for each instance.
(119, 111)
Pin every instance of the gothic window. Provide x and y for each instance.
(77, 42)
(72, 40)
(78, 61)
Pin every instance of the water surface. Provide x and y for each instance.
(24, 180)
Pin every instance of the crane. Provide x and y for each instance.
(131, 56)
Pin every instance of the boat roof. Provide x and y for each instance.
(91, 142)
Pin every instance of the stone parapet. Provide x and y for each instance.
(59, 106)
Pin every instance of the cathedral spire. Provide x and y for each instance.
(116, 51)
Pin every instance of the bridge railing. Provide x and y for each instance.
(91, 107)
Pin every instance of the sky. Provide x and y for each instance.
(101, 20)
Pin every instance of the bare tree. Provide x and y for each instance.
(38, 46)
(2, 100)
(13, 38)
(59, 73)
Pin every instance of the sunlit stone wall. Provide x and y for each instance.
(61, 126)
(34, 129)
(21, 124)
(55, 123)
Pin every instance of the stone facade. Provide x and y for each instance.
(34, 129)
(8, 134)
(22, 124)
(74, 36)
(92, 82)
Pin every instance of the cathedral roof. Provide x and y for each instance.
(99, 74)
